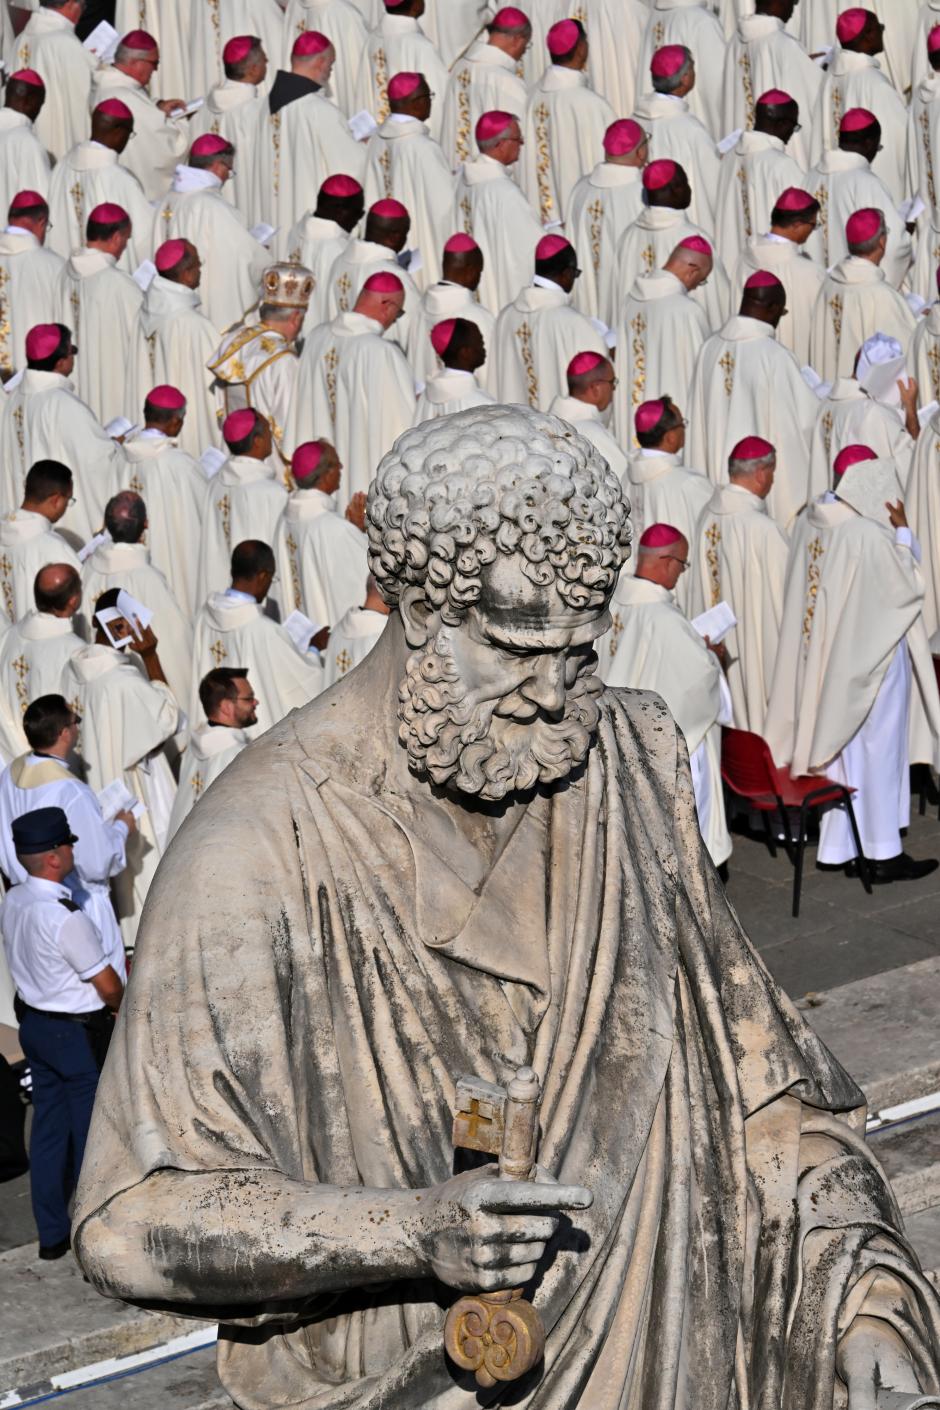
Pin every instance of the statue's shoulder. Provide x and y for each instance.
(641, 723)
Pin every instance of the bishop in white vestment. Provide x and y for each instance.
(347, 31)
(29, 541)
(781, 252)
(160, 138)
(91, 175)
(354, 635)
(591, 381)
(676, 133)
(321, 236)
(48, 43)
(243, 501)
(459, 345)
(694, 24)
(485, 80)
(34, 652)
(755, 174)
(29, 278)
(398, 44)
(762, 55)
(454, 296)
(381, 249)
(603, 203)
(211, 28)
(24, 161)
(321, 554)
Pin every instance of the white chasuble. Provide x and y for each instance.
(442, 301)
(210, 750)
(243, 501)
(662, 491)
(801, 277)
(536, 337)
(87, 176)
(322, 562)
(173, 344)
(453, 25)
(855, 302)
(694, 24)
(740, 557)
(923, 275)
(398, 44)
(103, 306)
(33, 655)
(843, 183)
(294, 150)
(173, 487)
(24, 161)
(564, 128)
(233, 261)
(923, 359)
(753, 177)
(317, 244)
(602, 204)
(651, 646)
(588, 423)
(926, 19)
(661, 330)
(27, 543)
(358, 260)
(351, 641)
(159, 142)
(485, 80)
(346, 29)
(403, 161)
(491, 208)
(447, 391)
(646, 246)
(922, 503)
(212, 25)
(615, 30)
(762, 55)
(48, 44)
(676, 134)
(170, 23)
(232, 110)
(858, 81)
(30, 290)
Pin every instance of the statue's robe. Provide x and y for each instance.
(304, 997)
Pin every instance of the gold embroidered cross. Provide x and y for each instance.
(21, 667)
(197, 784)
(343, 662)
(218, 652)
(726, 363)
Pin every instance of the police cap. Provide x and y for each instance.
(41, 830)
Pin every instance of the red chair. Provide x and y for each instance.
(749, 771)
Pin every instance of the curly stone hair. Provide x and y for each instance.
(454, 492)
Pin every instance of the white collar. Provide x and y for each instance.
(188, 178)
(236, 595)
(541, 282)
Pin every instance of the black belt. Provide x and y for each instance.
(91, 1019)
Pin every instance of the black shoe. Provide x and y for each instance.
(901, 868)
(49, 1252)
(848, 868)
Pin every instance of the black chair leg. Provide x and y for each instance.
(862, 859)
(785, 828)
(769, 834)
(798, 871)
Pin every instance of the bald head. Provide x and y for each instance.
(125, 517)
(57, 590)
(664, 565)
(691, 267)
(385, 308)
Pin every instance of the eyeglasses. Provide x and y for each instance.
(246, 699)
(683, 562)
(72, 500)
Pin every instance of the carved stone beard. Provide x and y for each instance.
(460, 744)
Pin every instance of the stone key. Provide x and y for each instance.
(499, 1336)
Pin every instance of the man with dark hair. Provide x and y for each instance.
(123, 561)
(24, 161)
(232, 626)
(453, 297)
(539, 333)
(458, 343)
(754, 173)
(485, 78)
(48, 44)
(160, 132)
(29, 273)
(28, 540)
(34, 651)
(784, 251)
(321, 236)
(230, 709)
(675, 132)
(45, 419)
(105, 303)
(761, 55)
(246, 497)
(92, 174)
(42, 776)
(855, 78)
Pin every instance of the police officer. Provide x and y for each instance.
(68, 990)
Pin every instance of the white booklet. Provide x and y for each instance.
(211, 461)
(193, 106)
(716, 623)
(911, 209)
(362, 125)
(869, 486)
(116, 798)
(120, 426)
(103, 42)
(263, 233)
(728, 144)
(88, 549)
(134, 611)
(144, 274)
(300, 629)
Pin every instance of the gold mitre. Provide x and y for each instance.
(287, 286)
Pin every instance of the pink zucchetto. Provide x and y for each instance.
(491, 124)
(383, 282)
(509, 18)
(210, 144)
(774, 98)
(668, 60)
(856, 120)
(26, 200)
(42, 341)
(169, 254)
(794, 199)
(584, 362)
(238, 425)
(108, 213)
(402, 85)
(167, 398)
(933, 42)
(659, 174)
(114, 108)
(863, 225)
(753, 448)
(562, 37)
(849, 456)
(309, 43)
(763, 279)
(306, 459)
(648, 416)
(460, 244)
(389, 209)
(698, 243)
(551, 245)
(660, 536)
(850, 24)
(140, 41)
(623, 136)
(341, 186)
(29, 76)
(441, 335)
(238, 48)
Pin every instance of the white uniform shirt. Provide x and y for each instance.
(52, 950)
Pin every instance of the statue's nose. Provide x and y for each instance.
(546, 686)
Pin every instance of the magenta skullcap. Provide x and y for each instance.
(238, 48)
(856, 120)
(402, 85)
(169, 254)
(341, 186)
(114, 108)
(849, 456)
(492, 124)
(753, 448)
(460, 244)
(140, 41)
(698, 243)
(863, 225)
(562, 37)
(305, 460)
(389, 209)
(763, 279)
(509, 18)
(661, 536)
(441, 335)
(623, 136)
(583, 362)
(551, 245)
(309, 43)
(42, 341)
(933, 42)
(165, 397)
(238, 425)
(659, 174)
(211, 145)
(29, 76)
(774, 98)
(648, 415)
(850, 24)
(668, 60)
(938, 278)
(795, 199)
(383, 282)
(26, 200)
(109, 214)
(393, 4)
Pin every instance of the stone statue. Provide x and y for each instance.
(463, 859)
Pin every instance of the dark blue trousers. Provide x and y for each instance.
(65, 1076)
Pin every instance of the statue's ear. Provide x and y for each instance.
(416, 614)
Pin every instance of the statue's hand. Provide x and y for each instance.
(872, 1357)
(483, 1234)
